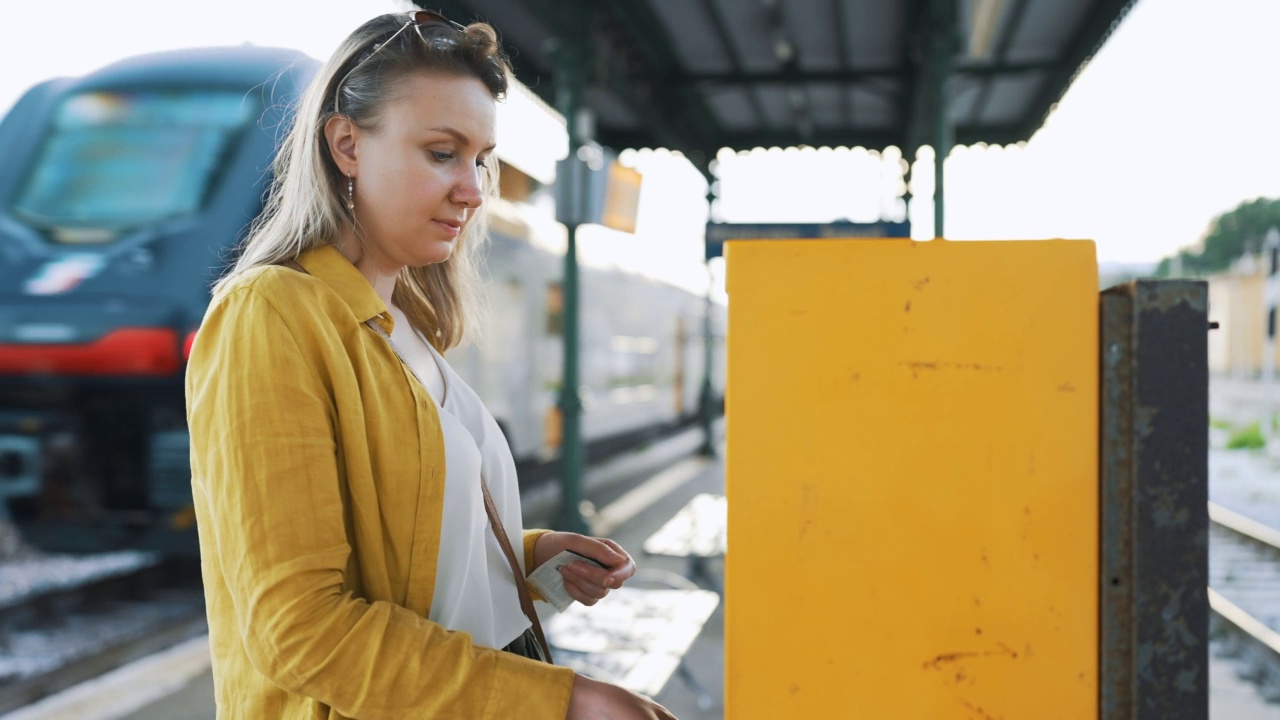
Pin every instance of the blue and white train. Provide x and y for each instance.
(125, 194)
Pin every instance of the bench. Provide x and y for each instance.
(698, 533)
(635, 637)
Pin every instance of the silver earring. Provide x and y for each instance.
(351, 192)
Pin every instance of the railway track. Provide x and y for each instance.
(65, 619)
(1244, 594)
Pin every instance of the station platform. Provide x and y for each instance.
(633, 496)
(633, 501)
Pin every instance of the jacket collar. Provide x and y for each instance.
(328, 264)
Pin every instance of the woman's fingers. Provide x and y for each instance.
(620, 574)
(585, 583)
(621, 566)
(620, 556)
(602, 550)
(588, 583)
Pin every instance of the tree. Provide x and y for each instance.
(1230, 235)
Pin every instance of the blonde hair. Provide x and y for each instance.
(306, 205)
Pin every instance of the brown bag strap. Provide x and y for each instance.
(526, 600)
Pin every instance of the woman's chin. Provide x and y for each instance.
(436, 253)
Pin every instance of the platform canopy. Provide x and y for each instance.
(700, 75)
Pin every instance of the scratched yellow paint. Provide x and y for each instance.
(912, 480)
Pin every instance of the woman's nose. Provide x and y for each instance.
(468, 192)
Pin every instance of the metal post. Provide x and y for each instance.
(706, 397)
(942, 147)
(1271, 249)
(909, 156)
(570, 61)
(943, 52)
(1270, 295)
(1154, 561)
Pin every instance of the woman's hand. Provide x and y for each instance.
(583, 581)
(594, 700)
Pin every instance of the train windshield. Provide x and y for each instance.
(115, 160)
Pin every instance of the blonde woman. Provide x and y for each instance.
(353, 496)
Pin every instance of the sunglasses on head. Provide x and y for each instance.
(418, 19)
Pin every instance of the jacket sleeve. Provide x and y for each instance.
(530, 542)
(264, 465)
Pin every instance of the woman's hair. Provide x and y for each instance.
(306, 205)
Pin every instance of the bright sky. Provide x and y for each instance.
(1172, 123)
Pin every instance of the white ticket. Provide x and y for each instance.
(549, 583)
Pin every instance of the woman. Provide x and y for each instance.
(341, 470)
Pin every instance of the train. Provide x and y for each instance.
(129, 190)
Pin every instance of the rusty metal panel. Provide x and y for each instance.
(1154, 467)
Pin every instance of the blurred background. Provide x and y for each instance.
(1163, 150)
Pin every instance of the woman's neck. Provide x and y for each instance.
(382, 279)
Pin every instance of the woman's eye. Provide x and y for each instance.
(441, 156)
(480, 162)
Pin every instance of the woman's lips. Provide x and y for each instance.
(449, 227)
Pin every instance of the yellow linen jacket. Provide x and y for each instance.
(317, 467)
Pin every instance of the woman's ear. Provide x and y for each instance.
(341, 134)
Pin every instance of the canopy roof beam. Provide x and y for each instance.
(841, 29)
(1000, 56)
(854, 77)
(630, 56)
(641, 76)
(735, 59)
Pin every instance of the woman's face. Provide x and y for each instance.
(416, 177)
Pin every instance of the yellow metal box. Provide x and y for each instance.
(912, 480)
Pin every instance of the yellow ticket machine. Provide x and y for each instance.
(912, 475)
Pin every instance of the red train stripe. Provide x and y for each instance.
(127, 351)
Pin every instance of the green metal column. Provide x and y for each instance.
(942, 141)
(909, 156)
(706, 397)
(942, 49)
(571, 56)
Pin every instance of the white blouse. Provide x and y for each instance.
(475, 591)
